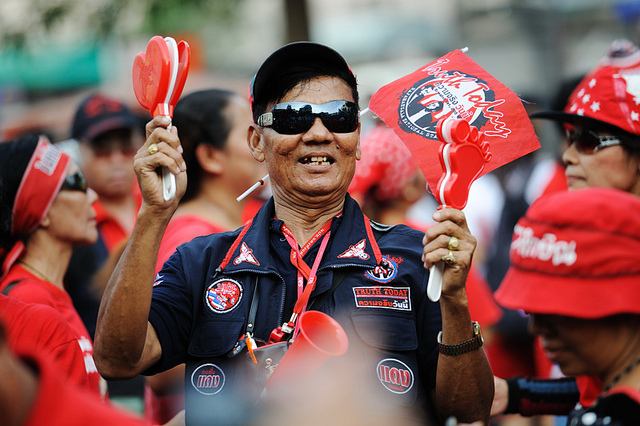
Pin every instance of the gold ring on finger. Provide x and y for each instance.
(153, 148)
(449, 259)
(454, 243)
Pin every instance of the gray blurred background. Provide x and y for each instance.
(54, 52)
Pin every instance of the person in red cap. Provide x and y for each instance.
(308, 248)
(575, 268)
(601, 120)
(47, 211)
(602, 123)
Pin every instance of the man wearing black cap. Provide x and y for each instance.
(309, 248)
(109, 135)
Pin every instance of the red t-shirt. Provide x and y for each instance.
(110, 230)
(32, 289)
(59, 403)
(183, 229)
(41, 329)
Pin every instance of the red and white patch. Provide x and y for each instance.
(158, 279)
(356, 250)
(223, 295)
(208, 379)
(246, 255)
(398, 298)
(395, 375)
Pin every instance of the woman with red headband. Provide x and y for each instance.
(46, 211)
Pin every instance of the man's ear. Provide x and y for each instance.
(210, 159)
(256, 144)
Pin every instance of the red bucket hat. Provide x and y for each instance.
(576, 253)
(609, 95)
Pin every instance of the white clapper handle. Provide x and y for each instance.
(168, 178)
(434, 286)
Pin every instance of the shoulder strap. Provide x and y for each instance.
(10, 286)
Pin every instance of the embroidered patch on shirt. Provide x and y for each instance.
(385, 272)
(208, 379)
(398, 298)
(395, 375)
(246, 255)
(158, 279)
(356, 250)
(223, 295)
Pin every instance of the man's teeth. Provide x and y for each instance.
(318, 161)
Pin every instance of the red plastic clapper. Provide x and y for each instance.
(463, 154)
(159, 75)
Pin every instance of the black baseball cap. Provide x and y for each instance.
(278, 72)
(98, 114)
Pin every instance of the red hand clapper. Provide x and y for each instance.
(159, 74)
(463, 154)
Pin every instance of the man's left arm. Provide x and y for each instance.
(464, 381)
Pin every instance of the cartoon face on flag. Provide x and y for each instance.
(450, 88)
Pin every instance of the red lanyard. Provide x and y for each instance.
(303, 272)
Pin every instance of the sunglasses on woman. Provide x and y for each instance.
(589, 142)
(75, 182)
(292, 118)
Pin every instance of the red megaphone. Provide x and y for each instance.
(320, 337)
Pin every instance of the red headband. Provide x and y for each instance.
(39, 186)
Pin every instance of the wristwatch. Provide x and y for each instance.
(462, 348)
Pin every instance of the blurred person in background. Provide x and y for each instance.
(34, 392)
(51, 213)
(603, 150)
(213, 135)
(576, 271)
(107, 135)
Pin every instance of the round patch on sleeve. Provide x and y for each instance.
(223, 295)
(208, 379)
(395, 375)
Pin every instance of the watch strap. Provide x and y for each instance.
(461, 348)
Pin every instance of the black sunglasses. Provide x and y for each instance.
(75, 182)
(292, 118)
(589, 142)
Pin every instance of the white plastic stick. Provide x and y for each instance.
(168, 178)
(434, 286)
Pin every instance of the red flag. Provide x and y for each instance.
(454, 86)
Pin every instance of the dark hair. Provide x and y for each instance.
(293, 76)
(14, 159)
(202, 117)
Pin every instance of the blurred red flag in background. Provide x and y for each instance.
(454, 86)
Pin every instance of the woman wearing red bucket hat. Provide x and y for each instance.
(602, 124)
(576, 271)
